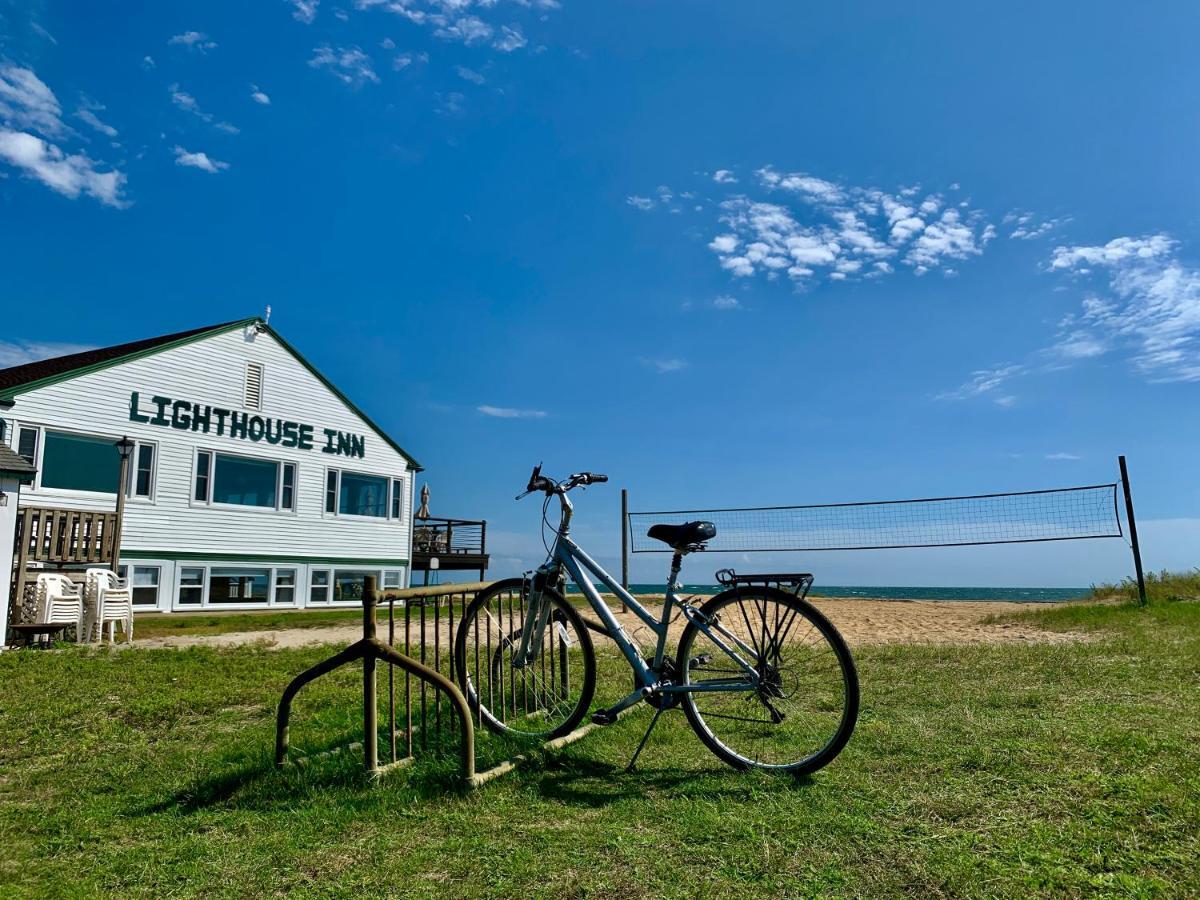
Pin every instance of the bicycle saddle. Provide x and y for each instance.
(679, 537)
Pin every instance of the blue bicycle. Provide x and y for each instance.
(763, 677)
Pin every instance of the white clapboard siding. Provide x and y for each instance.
(212, 372)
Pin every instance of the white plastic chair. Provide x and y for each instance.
(60, 601)
(110, 602)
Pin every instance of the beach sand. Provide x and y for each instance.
(862, 621)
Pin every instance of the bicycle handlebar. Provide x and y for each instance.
(548, 486)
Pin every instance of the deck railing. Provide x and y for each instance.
(449, 537)
(60, 538)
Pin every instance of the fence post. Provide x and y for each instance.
(624, 542)
(370, 710)
(1133, 535)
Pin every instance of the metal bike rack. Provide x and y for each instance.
(371, 650)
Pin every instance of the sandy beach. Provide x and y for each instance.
(862, 621)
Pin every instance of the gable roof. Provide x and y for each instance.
(15, 466)
(30, 376)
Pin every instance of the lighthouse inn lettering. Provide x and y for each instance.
(184, 415)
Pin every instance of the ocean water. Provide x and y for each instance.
(1025, 594)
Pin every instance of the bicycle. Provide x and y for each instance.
(765, 680)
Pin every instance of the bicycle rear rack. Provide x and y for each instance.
(795, 583)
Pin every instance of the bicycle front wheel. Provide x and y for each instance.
(803, 709)
(544, 699)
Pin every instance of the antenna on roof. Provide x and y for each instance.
(267, 317)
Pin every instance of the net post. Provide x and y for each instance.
(624, 542)
(1133, 535)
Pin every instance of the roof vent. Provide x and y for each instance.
(254, 385)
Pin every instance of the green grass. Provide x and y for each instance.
(154, 625)
(975, 771)
(1164, 585)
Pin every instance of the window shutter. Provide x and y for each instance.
(254, 385)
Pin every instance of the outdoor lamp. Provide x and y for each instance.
(125, 448)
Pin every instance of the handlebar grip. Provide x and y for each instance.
(596, 479)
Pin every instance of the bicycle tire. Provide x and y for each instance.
(514, 686)
(785, 611)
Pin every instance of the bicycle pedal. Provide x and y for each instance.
(697, 661)
(603, 717)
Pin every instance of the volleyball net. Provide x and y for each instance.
(1058, 514)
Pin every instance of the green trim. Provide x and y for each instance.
(128, 357)
(213, 332)
(220, 556)
(413, 464)
(22, 476)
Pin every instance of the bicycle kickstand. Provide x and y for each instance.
(638, 752)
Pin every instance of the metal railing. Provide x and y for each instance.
(447, 537)
(424, 622)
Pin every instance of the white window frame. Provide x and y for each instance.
(138, 444)
(395, 484)
(209, 503)
(206, 567)
(128, 570)
(39, 461)
(328, 586)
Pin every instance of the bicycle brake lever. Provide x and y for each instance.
(522, 496)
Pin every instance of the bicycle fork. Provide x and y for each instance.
(537, 617)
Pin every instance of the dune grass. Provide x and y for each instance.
(1009, 771)
(154, 625)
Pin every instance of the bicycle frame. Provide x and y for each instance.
(566, 554)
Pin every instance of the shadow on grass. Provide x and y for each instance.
(593, 783)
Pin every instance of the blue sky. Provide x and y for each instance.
(729, 253)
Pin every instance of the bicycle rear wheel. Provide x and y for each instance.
(804, 708)
(545, 699)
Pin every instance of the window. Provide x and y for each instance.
(287, 490)
(79, 462)
(140, 480)
(358, 494)
(144, 584)
(318, 589)
(397, 498)
(3, 430)
(27, 444)
(285, 586)
(331, 488)
(348, 584)
(391, 579)
(254, 385)
(203, 475)
(362, 495)
(230, 585)
(244, 481)
(191, 586)
(241, 481)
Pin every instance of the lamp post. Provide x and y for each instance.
(125, 449)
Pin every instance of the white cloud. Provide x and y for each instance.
(304, 10)
(510, 39)
(18, 353)
(1152, 309)
(148, 62)
(640, 202)
(1116, 252)
(187, 103)
(726, 302)
(467, 29)
(812, 227)
(663, 366)
(193, 40)
(1063, 456)
(258, 96)
(198, 160)
(507, 412)
(87, 113)
(985, 381)
(27, 103)
(1006, 401)
(71, 175)
(348, 64)
(1026, 226)
(470, 75)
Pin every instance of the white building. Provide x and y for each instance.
(254, 481)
